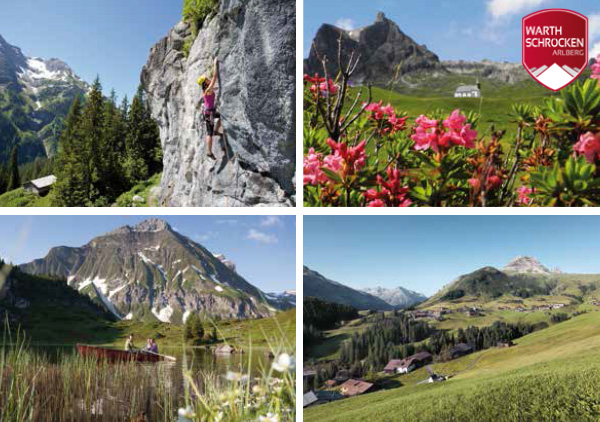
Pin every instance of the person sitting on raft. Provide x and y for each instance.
(207, 103)
(151, 346)
(129, 346)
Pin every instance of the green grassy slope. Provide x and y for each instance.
(242, 333)
(550, 375)
(20, 198)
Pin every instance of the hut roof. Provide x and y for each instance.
(393, 364)
(309, 398)
(353, 387)
(42, 182)
(467, 88)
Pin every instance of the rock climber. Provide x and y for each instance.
(208, 108)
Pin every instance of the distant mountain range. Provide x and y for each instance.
(386, 53)
(398, 297)
(316, 285)
(35, 96)
(152, 272)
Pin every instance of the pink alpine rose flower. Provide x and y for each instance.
(312, 164)
(596, 69)
(588, 146)
(523, 197)
(390, 193)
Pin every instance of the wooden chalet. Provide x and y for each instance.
(40, 186)
(505, 344)
(354, 387)
(406, 365)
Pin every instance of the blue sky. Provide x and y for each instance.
(262, 247)
(111, 38)
(453, 29)
(423, 253)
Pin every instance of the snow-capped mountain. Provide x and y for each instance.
(150, 271)
(285, 300)
(35, 95)
(399, 297)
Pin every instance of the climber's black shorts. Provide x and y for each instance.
(209, 118)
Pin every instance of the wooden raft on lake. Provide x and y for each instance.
(114, 355)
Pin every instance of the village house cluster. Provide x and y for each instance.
(439, 313)
(548, 307)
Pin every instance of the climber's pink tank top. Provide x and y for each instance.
(209, 102)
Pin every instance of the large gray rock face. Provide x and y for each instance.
(383, 49)
(150, 271)
(255, 42)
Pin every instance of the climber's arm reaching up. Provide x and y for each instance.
(214, 76)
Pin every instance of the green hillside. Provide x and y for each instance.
(428, 94)
(550, 375)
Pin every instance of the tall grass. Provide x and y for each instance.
(34, 387)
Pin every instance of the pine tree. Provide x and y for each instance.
(198, 330)
(92, 121)
(71, 185)
(14, 180)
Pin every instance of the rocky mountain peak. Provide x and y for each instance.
(152, 225)
(526, 265)
(383, 48)
(380, 17)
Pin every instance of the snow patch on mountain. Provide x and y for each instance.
(164, 314)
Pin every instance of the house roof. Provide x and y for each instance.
(43, 182)
(467, 88)
(309, 398)
(352, 387)
(393, 364)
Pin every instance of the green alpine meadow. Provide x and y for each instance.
(511, 340)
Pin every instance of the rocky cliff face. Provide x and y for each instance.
(150, 271)
(255, 42)
(501, 71)
(382, 47)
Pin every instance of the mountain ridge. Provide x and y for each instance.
(150, 271)
(316, 285)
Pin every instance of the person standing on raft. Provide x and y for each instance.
(208, 107)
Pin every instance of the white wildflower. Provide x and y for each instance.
(270, 417)
(284, 363)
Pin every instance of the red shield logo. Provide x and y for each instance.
(555, 46)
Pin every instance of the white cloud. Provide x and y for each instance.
(594, 26)
(228, 221)
(594, 34)
(203, 237)
(501, 8)
(595, 50)
(261, 237)
(345, 23)
(271, 221)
